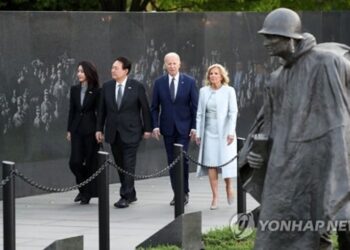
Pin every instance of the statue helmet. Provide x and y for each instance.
(282, 22)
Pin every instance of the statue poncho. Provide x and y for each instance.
(307, 176)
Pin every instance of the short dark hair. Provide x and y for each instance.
(125, 62)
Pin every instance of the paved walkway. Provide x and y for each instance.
(42, 219)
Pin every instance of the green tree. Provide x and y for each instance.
(268, 5)
(83, 5)
(178, 5)
(173, 5)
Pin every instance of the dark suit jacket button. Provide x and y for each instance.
(81, 113)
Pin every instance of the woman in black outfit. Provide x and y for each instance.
(81, 129)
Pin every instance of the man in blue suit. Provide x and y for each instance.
(174, 108)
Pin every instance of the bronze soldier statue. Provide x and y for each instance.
(304, 177)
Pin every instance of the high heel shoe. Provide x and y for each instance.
(214, 205)
(85, 200)
(230, 198)
(78, 197)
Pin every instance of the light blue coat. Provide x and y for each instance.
(226, 122)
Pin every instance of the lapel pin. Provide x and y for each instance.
(129, 88)
(90, 92)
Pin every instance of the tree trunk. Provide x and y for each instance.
(139, 5)
(116, 5)
(121, 5)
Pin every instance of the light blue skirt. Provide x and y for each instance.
(210, 156)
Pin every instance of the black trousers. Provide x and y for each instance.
(83, 161)
(125, 157)
(344, 240)
(169, 146)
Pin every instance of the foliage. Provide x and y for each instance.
(221, 238)
(241, 5)
(334, 239)
(167, 247)
(178, 5)
(50, 5)
(268, 5)
(75, 5)
(218, 239)
(325, 5)
(174, 5)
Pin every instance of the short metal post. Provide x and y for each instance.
(241, 194)
(179, 181)
(103, 203)
(8, 195)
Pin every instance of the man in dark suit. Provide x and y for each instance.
(125, 111)
(174, 108)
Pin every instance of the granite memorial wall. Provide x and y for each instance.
(39, 53)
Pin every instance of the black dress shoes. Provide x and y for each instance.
(132, 200)
(77, 198)
(122, 203)
(186, 199)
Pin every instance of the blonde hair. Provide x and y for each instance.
(223, 72)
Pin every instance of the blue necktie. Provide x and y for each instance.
(172, 89)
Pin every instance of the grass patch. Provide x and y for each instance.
(222, 238)
(161, 247)
(334, 239)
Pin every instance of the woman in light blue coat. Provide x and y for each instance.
(216, 125)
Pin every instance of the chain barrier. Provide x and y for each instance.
(189, 157)
(7, 179)
(158, 173)
(57, 190)
(108, 162)
(104, 165)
